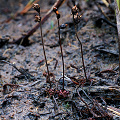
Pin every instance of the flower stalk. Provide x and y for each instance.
(76, 20)
(60, 43)
(38, 19)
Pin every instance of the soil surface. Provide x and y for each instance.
(24, 93)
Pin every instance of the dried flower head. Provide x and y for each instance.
(57, 14)
(36, 7)
(55, 9)
(75, 10)
(37, 18)
(77, 18)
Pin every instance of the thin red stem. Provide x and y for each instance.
(44, 50)
(81, 49)
(61, 51)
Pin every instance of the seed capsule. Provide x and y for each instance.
(75, 10)
(57, 14)
(77, 18)
(36, 7)
(55, 9)
(37, 18)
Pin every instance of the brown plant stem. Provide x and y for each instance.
(61, 50)
(24, 38)
(91, 111)
(47, 80)
(81, 48)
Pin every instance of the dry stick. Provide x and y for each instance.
(25, 10)
(118, 28)
(22, 71)
(81, 48)
(105, 18)
(55, 104)
(101, 111)
(60, 113)
(28, 6)
(47, 80)
(95, 103)
(57, 4)
(94, 114)
(61, 50)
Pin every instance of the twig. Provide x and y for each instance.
(10, 85)
(55, 64)
(107, 71)
(55, 104)
(50, 117)
(101, 10)
(57, 4)
(114, 110)
(100, 109)
(25, 9)
(47, 62)
(87, 95)
(21, 70)
(34, 83)
(87, 106)
(73, 66)
(103, 18)
(106, 3)
(28, 6)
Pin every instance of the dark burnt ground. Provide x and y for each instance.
(29, 99)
